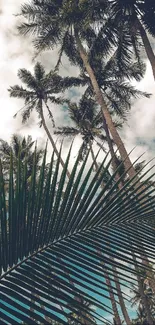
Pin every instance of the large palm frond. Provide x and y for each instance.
(51, 234)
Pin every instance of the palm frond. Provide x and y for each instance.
(20, 92)
(66, 131)
(39, 71)
(68, 82)
(27, 112)
(26, 77)
(105, 39)
(71, 51)
(50, 236)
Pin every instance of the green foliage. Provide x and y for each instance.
(114, 82)
(50, 238)
(137, 299)
(40, 90)
(19, 147)
(42, 15)
(52, 230)
(87, 121)
(130, 9)
(127, 15)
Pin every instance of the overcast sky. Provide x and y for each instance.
(17, 52)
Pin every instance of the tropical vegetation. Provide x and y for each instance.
(77, 239)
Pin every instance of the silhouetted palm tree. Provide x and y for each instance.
(71, 25)
(19, 147)
(41, 89)
(134, 19)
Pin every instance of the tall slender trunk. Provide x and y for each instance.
(50, 114)
(147, 45)
(52, 141)
(141, 291)
(107, 278)
(149, 273)
(112, 152)
(111, 294)
(112, 299)
(107, 117)
(121, 300)
(93, 156)
(120, 296)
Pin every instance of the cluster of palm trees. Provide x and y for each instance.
(67, 235)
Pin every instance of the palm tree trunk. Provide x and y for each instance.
(142, 293)
(111, 294)
(107, 278)
(147, 45)
(50, 114)
(52, 141)
(149, 273)
(113, 162)
(100, 100)
(112, 152)
(112, 299)
(93, 156)
(121, 299)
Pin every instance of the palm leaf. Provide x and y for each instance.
(39, 72)
(27, 78)
(51, 235)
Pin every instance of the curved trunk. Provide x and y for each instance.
(106, 115)
(52, 141)
(147, 45)
(121, 299)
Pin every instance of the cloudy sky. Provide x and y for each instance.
(17, 52)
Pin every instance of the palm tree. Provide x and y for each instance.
(117, 318)
(138, 18)
(39, 91)
(141, 317)
(120, 296)
(45, 226)
(19, 147)
(68, 23)
(87, 122)
(83, 315)
(89, 125)
(118, 94)
(116, 90)
(137, 298)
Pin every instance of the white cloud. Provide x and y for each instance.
(17, 52)
(140, 128)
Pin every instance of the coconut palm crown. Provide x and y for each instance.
(41, 89)
(135, 21)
